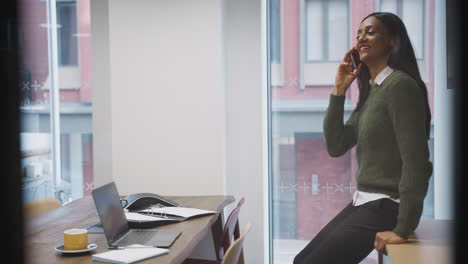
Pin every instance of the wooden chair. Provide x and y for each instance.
(231, 230)
(230, 233)
(234, 252)
(37, 207)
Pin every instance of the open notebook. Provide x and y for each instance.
(130, 254)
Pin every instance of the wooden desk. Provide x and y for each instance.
(43, 233)
(431, 243)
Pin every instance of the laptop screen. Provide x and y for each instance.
(113, 220)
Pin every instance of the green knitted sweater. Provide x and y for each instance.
(389, 132)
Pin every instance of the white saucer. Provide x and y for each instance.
(61, 249)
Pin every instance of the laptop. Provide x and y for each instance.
(115, 225)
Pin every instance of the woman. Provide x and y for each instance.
(390, 127)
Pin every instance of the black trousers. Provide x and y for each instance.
(350, 236)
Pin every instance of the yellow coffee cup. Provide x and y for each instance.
(75, 239)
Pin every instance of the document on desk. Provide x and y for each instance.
(177, 211)
(136, 217)
(130, 254)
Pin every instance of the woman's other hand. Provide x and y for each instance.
(387, 237)
(345, 74)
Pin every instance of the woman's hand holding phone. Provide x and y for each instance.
(345, 74)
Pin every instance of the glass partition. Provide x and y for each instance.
(307, 40)
(56, 108)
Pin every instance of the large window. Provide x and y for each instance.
(56, 131)
(67, 33)
(308, 187)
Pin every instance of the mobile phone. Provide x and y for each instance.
(354, 57)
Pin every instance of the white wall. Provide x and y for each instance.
(102, 93)
(245, 118)
(181, 108)
(160, 118)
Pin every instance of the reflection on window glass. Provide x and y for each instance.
(389, 6)
(327, 29)
(67, 44)
(338, 28)
(275, 31)
(73, 54)
(413, 16)
(412, 13)
(315, 41)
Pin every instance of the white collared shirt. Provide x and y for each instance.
(360, 197)
(383, 74)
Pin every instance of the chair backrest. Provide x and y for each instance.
(37, 207)
(231, 229)
(233, 253)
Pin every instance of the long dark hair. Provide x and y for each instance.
(401, 58)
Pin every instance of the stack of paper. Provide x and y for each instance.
(130, 254)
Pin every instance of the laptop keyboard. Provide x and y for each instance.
(138, 237)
